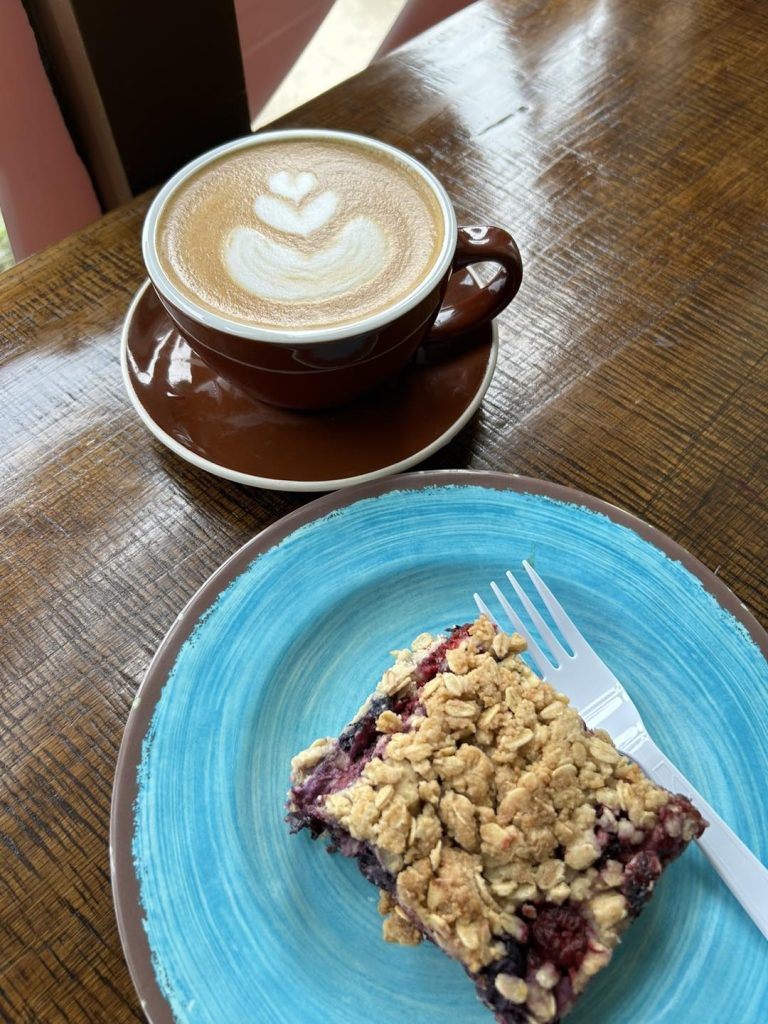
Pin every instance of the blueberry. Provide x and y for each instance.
(358, 735)
(640, 876)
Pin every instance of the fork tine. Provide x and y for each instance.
(485, 610)
(545, 632)
(556, 610)
(542, 661)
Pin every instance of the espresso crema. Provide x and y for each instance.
(300, 233)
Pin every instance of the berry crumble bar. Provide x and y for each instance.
(492, 820)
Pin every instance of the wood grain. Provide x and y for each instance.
(625, 146)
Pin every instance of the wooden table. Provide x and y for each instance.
(625, 144)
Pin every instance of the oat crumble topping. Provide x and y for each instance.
(497, 816)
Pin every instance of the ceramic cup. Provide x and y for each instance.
(319, 367)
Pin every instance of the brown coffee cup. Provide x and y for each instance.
(323, 366)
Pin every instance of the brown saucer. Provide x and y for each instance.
(217, 427)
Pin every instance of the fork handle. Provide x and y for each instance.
(738, 867)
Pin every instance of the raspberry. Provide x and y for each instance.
(559, 934)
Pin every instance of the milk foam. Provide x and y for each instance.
(300, 233)
(274, 270)
(293, 219)
(292, 186)
(280, 272)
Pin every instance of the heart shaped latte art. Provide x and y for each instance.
(301, 220)
(292, 186)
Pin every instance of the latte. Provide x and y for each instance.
(300, 233)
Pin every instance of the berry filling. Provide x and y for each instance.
(359, 737)
(643, 854)
(559, 936)
(513, 964)
(369, 864)
(360, 741)
(639, 879)
(435, 662)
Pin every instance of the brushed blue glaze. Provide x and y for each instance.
(247, 923)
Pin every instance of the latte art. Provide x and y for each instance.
(280, 272)
(283, 272)
(300, 233)
(283, 211)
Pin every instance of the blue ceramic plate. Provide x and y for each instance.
(227, 919)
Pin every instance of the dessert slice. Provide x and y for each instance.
(493, 821)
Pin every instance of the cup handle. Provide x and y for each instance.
(484, 302)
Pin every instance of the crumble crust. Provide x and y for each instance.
(486, 802)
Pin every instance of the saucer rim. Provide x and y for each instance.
(281, 484)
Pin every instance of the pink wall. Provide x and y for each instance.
(417, 16)
(45, 191)
(272, 37)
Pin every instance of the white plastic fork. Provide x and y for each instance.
(604, 703)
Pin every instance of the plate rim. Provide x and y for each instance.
(282, 484)
(125, 886)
